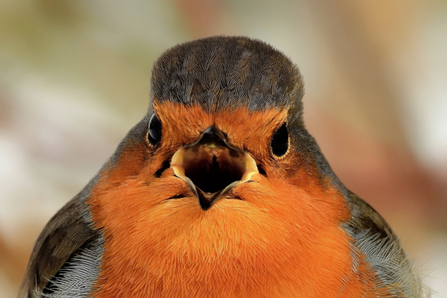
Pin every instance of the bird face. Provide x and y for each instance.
(203, 164)
(221, 153)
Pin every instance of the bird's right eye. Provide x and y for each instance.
(154, 134)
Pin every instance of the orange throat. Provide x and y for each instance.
(279, 247)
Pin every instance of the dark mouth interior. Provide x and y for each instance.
(212, 167)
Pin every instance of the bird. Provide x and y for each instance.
(219, 191)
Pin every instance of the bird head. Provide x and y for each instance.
(222, 169)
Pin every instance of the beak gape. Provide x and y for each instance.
(212, 167)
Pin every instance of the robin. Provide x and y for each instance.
(219, 191)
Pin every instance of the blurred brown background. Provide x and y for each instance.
(75, 78)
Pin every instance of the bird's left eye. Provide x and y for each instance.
(154, 134)
(280, 141)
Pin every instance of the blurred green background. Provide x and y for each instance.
(75, 78)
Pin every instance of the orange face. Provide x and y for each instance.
(276, 232)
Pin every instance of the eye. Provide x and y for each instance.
(280, 141)
(154, 134)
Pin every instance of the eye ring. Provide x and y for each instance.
(154, 130)
(279, 145)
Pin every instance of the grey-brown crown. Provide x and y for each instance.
(227, 72)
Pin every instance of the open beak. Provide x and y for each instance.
(212, 167)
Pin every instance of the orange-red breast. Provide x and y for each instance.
(219, 192)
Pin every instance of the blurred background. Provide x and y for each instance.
(74, 78)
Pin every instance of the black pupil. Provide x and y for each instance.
(154, 135)
(280, 141)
